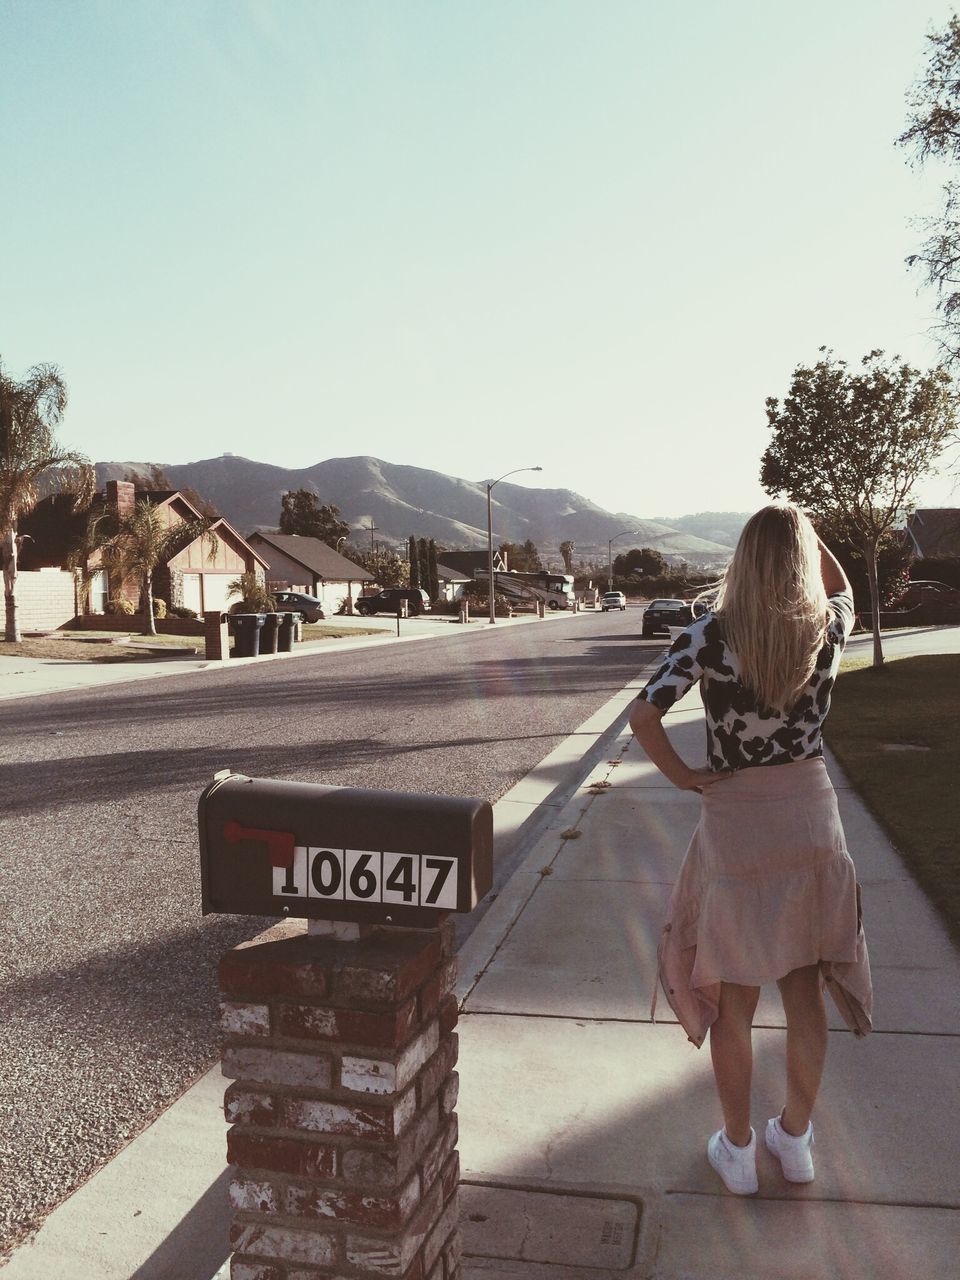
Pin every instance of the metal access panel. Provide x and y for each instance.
(271, 848)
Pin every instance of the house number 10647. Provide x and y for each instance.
(364, 875)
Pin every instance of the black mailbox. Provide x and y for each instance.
(341, 853)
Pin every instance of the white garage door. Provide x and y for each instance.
(191, 592)
(215, 590)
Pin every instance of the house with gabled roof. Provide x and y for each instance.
(934, 533)
(472, 563)
(299, 563)
(191, 578)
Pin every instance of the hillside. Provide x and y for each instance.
(400, 500)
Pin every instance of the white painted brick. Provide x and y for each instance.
(287, 1243)
(376, 1075)
(368, 1075)
(254, 1196)
(271, 1066)
(238, 1019)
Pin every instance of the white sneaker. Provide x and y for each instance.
(793, 1153)
(737, 1166)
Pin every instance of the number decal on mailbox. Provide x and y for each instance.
(365, 875)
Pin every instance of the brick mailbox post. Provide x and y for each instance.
(341, 1042)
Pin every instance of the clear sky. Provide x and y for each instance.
(591, 235)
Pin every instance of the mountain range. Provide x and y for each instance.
(399, 500)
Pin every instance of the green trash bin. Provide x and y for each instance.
(246, 629)
(286, 631)
(268, 633)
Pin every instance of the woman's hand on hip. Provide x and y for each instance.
(701, 779)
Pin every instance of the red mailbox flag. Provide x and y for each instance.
(280, 843)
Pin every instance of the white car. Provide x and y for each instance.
(613, 600)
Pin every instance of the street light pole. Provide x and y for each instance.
(490, 484)
(610, 542)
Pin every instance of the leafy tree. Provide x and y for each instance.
(640, 561)
(414, 559)
(433, 575)
(933, 133)
(30, 412)
(852, 446)
(566, 550)
(135, 544)
(893, 560)
(301, 512)
(153, 480)
(525, 558)
(387, 567)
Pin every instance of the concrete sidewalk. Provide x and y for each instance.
(583, 1124)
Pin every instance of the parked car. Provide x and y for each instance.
(309, 608)
(388, 601)
(613, 600)
(919, 591)
(660, 615)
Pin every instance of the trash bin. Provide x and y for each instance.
(286, 631)
(268, 633)
(246, 629)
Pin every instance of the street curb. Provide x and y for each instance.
(318, 648)
(480, 948)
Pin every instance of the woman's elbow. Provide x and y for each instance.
(644, 717)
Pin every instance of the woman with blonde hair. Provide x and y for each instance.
(767, 891)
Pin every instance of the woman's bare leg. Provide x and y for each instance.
(731, 1051)
(806, 1017)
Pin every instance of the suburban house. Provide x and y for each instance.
(308, 564)
(452, 581)
(934, 533)
(191, 578)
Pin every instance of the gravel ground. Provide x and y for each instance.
(107, 982)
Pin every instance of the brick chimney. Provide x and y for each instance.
(121, 496)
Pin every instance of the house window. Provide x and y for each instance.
(99, 591)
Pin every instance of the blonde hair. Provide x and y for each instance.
(772, 605)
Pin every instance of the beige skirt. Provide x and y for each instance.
(766, 886)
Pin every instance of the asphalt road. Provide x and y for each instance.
(107, 980)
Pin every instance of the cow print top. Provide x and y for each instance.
(740, 733)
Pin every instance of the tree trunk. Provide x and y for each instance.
(870, 556)
(8, 557)
(150, 629)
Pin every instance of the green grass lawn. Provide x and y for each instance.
(911, 703)
(125, 646)
(96, 646)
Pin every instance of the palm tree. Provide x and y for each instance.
(30, 411)
(135, 544)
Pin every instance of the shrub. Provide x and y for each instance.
(479, 598)
(180, 611)
(255, 598)
(159, 608)
(126, 607)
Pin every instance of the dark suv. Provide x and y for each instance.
(389, 601)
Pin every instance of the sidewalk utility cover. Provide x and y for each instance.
(538, 1226)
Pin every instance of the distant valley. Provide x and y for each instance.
(399, 500)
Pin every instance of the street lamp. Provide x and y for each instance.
(610, 542)
(490, 484)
